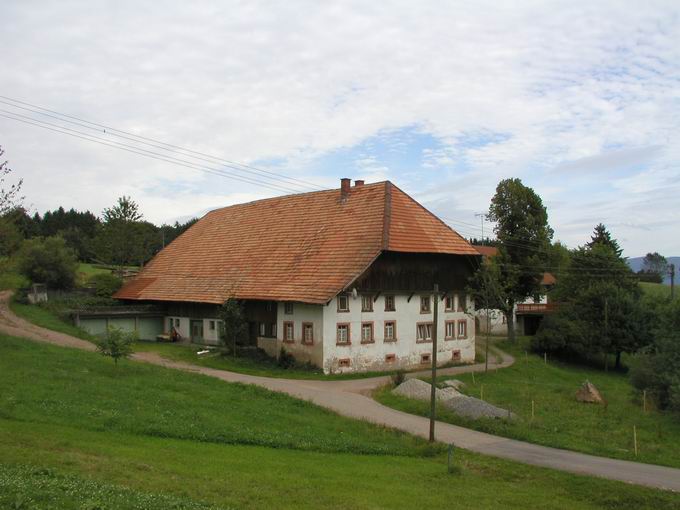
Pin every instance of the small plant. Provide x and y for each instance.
(286, 360)
(398, 377)
(116, 344)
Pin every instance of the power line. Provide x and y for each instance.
(63, 117)
(143, 152)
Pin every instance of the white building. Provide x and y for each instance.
(341, 278)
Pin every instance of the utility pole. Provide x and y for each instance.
(433, 392)
(481, 218)
(606, 332)
(672, 271)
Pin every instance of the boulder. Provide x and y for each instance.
(420, 390)
(475, 408)
(454, 383)
(588, 393)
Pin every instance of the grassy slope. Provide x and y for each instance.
(560, 421)
(47, 319)
(656, 289)
(73, 413)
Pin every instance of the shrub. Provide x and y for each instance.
(48, 261)
(116, 344)
(398, 377)
(286, 360)
(105, 284)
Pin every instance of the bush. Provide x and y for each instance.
(286, 360)
(48, 261)
(105, 284)
(117, 344)
(398, 377)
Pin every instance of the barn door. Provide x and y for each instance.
(197, 332)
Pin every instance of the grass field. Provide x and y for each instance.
(560, 420)
(75, 432)
(657, 289)
(47, 319)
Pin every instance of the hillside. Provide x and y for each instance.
(77, 432)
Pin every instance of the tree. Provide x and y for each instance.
(233, 327)
(655, 267)
(116, 344)
(656, 368)
(9, 197)
(484, 287)
(524, 235)
(602, 236)
(123, 238)
(48, 261)
(599, 311)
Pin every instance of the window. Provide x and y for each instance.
(462, 303)
(288, 331)
(424, 332)
(424, 304)
(274, 330)
(342, 336)
(269, 306)
(344, 362)
(425, 358)
(448, 303)
(307, 333)
(343, 303)
(450, 330)
(504, 320)
(211, 325)
(177, 323)
(390, 358)
(366, 332)
(263, 329)
(390, 331)
(389, 303)
(288, 308)
(462, 329)
(366, 303)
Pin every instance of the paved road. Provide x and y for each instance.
(350, 398)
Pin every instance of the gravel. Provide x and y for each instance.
(452, 399)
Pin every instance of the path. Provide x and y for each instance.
(350, 398)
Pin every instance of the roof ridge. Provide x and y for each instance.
(387, 215)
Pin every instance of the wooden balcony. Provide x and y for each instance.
(536, 308)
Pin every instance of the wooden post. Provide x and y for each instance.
(545, 358)
(433, 392)
(473, 378)
(635, 440)
(644, 400)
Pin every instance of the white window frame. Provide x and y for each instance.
(345, 298)
(427, 329)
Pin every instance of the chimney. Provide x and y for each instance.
(345, 183)
(358, 183)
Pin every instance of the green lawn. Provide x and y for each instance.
(656, 289)
(75, 432)
(560, 420)
(45, 318)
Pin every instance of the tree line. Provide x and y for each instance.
(119, 237)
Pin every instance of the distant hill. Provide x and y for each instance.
(635, 264)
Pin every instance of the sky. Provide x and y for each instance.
(580, 100)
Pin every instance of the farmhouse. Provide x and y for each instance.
(340, 278)
(528, 314)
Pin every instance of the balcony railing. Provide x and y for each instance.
(536, 308)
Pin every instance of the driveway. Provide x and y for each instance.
(350, 398)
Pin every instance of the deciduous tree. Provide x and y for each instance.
(524, 236)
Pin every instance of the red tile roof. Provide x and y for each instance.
(305, 247)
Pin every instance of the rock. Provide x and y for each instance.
(454, 383)
(475, 408)
(588, 393)
(420, 390)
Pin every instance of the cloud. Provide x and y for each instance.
(541, 91)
